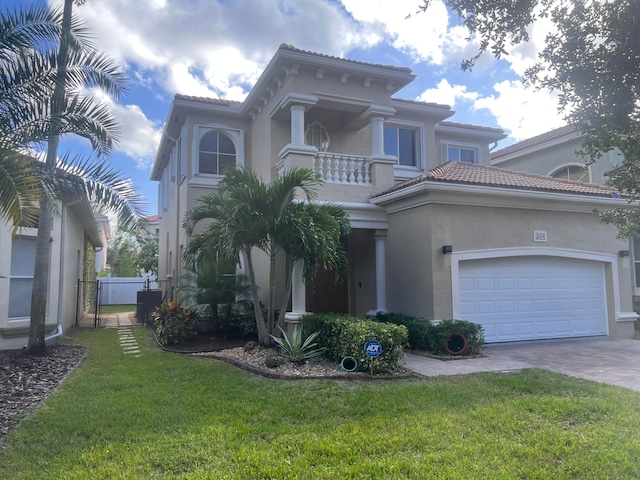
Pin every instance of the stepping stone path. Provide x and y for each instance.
(128, 342)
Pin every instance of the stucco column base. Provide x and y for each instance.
(301, 156)
(382, 176)
(293, 319)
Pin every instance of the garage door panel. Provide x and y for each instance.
(524, 298)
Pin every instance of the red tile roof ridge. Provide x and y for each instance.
(469, 125)
(216, 101)
(292, 48)
(418, 102)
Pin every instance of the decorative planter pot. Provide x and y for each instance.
(457, 344)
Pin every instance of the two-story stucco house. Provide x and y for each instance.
(437, 232)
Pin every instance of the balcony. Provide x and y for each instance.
(342, 168)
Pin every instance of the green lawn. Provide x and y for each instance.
(165, 415)
(117, 308)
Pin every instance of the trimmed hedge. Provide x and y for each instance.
(345, 335)
(432, 337)
(419, 329)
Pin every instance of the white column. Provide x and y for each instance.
(380, 237)
(298, 295)
(297, 124)
(377, 136)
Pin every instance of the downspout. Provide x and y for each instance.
(63, 220)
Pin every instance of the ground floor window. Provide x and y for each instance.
(23, 253)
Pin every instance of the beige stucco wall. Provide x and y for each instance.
(416, 236)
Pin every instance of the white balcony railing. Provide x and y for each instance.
(341, 168)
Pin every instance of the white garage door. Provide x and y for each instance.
(527, 298)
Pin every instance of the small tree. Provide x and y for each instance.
(147, 257)
(249, 214)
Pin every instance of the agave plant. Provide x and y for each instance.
(295, 348)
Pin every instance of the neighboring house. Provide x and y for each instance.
(555, 153)
(436, 232)
(74, 237)
(151, 227)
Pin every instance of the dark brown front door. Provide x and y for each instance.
(323, 295)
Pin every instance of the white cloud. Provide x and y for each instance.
(140, 136)
(205, 47)
(523, 112)
(423, 35)
(447, 94)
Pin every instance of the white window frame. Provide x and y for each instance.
(207, 179)
(405, 172)
(568, 165)
(30, 233)
(447, 144)
(635, 259)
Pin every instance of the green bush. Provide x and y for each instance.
(431, 337)
(473, 332)
(344, 335)
(174, 324)
(419, 329)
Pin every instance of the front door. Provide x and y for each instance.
(324, 295)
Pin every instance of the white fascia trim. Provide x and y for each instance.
(294, 99)
(535, 148)
(612, 260)
(469, 132)
(233, 108)
(431, 186)
(444, 111)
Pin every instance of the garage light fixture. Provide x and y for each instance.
(623, 253)
(447, 249)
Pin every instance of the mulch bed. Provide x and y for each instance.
(26, 380)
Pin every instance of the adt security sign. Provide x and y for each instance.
(373, 348)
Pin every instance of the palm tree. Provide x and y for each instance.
(47, 62)
(249, 214)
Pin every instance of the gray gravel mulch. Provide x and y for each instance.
(26, 380)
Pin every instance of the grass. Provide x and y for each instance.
(117, 308)
(165, 415)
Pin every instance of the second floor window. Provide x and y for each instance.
(217, 152)
(402, 143)
(461, 153)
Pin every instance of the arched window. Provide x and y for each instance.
(316, 135)
(217, 152)
(572, 172)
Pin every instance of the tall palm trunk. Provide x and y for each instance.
(39, 294)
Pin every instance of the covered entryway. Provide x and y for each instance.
(533, 297)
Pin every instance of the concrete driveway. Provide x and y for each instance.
(604, 359)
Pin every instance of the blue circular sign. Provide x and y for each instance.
(373, 348)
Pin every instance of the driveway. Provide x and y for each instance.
(615, 361)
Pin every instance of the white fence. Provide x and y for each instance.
(123, 290)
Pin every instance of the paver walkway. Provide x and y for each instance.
(615, 361)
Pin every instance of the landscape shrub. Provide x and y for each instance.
(174, 324)
(419, 329)
(473, 332)
(344, 335)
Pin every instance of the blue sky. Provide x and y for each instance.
(219, 48)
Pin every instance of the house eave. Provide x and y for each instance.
(531, 196)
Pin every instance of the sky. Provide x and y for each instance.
(218, 48)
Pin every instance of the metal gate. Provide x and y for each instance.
(113, 302)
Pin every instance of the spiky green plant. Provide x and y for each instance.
(295, 348)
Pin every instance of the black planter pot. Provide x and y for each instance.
(457, 344)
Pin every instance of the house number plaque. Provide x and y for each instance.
(539, 236)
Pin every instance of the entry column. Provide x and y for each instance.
(380, 238)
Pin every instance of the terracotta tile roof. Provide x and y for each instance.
(152, 218)
(291, 48)
(469, 174)
(213, 101)
(533, 141)
(473, 127)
